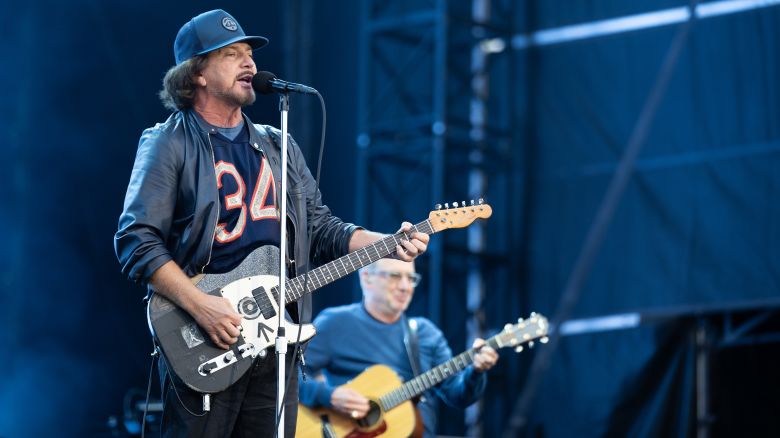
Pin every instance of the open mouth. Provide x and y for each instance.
(245, 79)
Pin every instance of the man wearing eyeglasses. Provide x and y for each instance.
(354, 337)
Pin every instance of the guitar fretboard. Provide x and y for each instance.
(432, 377)
(347, 264)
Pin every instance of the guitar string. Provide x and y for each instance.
(295, 292)
(445, 370)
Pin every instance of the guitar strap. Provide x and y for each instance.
(410, 341)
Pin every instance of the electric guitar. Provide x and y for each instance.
(206, 368)
(391, 412)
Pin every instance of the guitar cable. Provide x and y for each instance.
(309, 230)
(155, 354)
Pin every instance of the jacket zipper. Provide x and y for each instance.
(291, 260)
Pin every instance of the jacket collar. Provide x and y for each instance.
(258, 136)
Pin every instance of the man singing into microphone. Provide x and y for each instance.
(202, 196)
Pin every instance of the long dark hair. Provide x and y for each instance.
(179, 86)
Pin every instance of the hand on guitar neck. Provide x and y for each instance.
(407, 250)
(486, 358)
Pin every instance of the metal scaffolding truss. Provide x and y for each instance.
(432, 129)
(401, 118)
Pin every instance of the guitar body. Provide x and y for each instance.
(375, 381)
(193, 357)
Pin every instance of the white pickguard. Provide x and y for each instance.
(259, 331)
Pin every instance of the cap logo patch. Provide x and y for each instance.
(229, 24)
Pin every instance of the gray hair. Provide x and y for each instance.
(179, 84)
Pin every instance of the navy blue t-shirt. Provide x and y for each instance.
(248, 216)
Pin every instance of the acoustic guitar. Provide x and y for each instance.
(392, 413)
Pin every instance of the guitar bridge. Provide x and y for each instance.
(226, 359)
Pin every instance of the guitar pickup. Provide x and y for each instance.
(225, 360)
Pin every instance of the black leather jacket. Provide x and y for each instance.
(171, 206)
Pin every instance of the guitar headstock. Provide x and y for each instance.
(458, 216)
(525, 331)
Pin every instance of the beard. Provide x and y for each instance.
(239, 98)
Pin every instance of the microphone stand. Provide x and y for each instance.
(281, 339)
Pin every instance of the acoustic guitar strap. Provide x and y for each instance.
(410, 341)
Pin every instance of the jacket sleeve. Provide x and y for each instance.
(148, 208)
(330, 235)
(460, 390)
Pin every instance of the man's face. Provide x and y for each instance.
(228, 74)
(390, 286)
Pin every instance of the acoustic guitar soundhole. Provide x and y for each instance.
(372, 418)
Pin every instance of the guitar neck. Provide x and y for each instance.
(432, 377)
(347, 264)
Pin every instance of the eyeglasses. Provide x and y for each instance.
(396, 276)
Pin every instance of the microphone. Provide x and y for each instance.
(265, 82)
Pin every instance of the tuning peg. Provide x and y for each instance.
(519, 349)
(544, 340)
(455, 204)
(531, 344)
(481, 201)
(438, 206)
(446, 205)
(508, 327)
(462, 203)
(472, 202)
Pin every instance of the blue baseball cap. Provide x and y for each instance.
(210, 31)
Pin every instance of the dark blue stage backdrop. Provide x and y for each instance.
(697, 228)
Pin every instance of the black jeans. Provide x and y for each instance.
(245, 409)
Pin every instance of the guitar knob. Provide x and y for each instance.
(229, 357)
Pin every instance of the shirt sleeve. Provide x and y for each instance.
(460, 390)
(313, 391)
